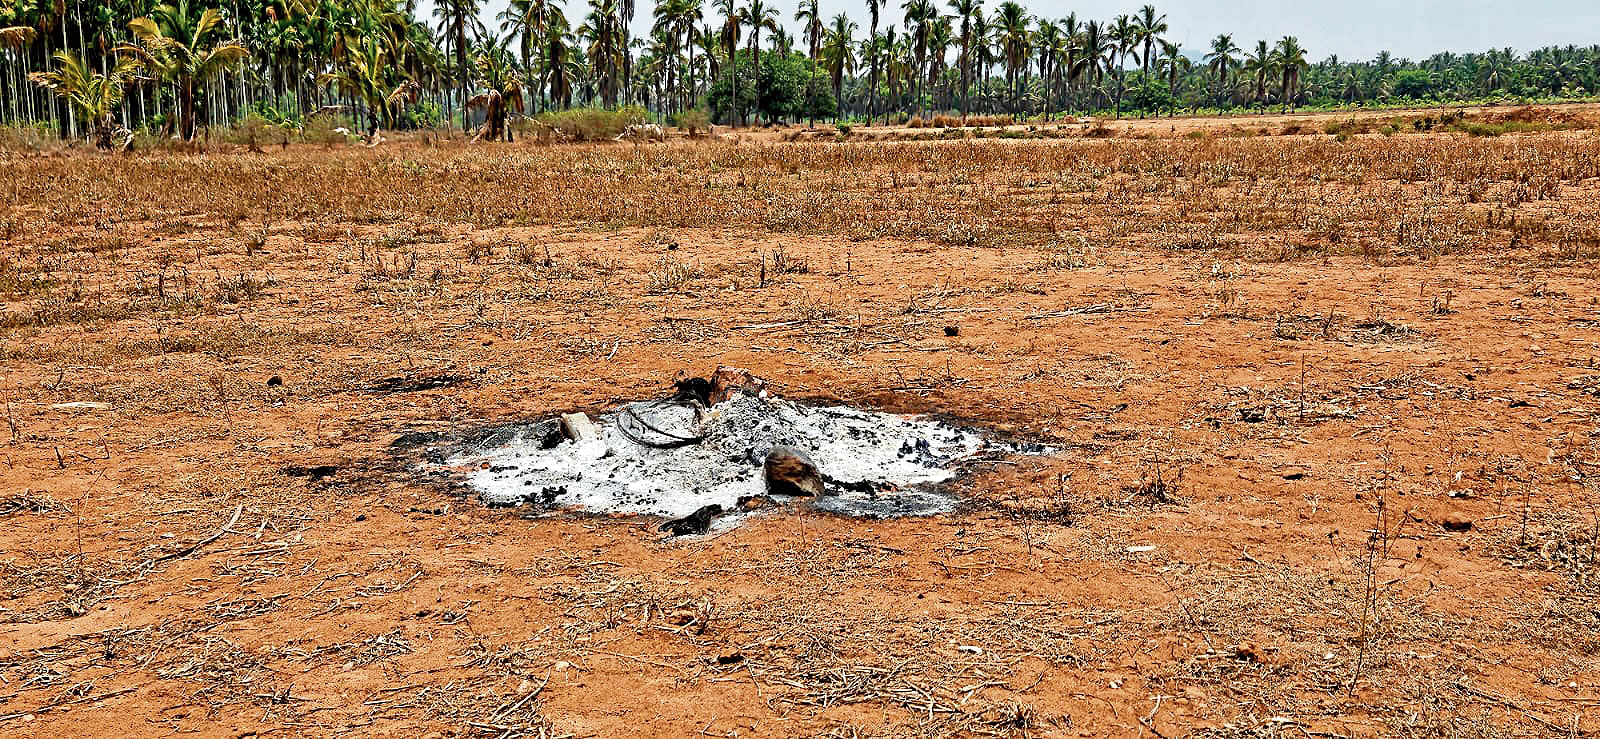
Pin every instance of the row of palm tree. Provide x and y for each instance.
(184, 64)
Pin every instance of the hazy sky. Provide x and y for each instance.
(1353, 29)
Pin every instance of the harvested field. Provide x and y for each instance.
(1321, 416)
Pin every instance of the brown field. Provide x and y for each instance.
(1345, 388)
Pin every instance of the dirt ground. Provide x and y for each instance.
(1326, 413)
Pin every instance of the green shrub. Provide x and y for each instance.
(270, 111)
(695, 122)
(422, 116)
(844, 129)
(593, 124)
(256, 131)
(323, 128)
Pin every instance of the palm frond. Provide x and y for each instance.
(17, 36)
(409, 92)
(220, 58)
(209, 21)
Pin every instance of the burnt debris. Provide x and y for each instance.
(698, 522)
(714, 450)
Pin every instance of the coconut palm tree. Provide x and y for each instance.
(920, 16)
(1072, 36)
(732, 23)
(874, 9)
(1051, 45)
(782, 41)
(518, 20)
(1150, 28)
(966, 11)
(898, 63)
(1175, 64)
(1290, 59)
(363, 73)
(94, 97)
(1013, 34)
(1222, 59)
(759, 16)
(809, 15)
(1124, 37)
(458, 19)
(1259, 64)
(875, 52)
(501, 95)
(941, 36)
(673, 24)
(530, 21)
(984, 55)
(687, 16)
(562, 67)
(1094, 47)
(176, 42)
(838, 57)
(708, 42)
(1493, 71)
(606, 50)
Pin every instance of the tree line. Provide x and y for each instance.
(88, 68)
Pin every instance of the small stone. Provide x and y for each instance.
(952, 330)
(790, 471)
(81, 405)
(579, 428)
(1249, 653)
(1456, 521)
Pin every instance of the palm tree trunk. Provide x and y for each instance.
(186, 108)
(811, 92)
(1119, 91)
(872, 85)
(735, 117)
(688, 79)
(966, 76)
(72, 117)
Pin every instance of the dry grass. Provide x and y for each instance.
(1269, 364)
(1398, 198)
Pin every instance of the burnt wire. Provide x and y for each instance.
(637, 437)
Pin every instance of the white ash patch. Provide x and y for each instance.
(874, 464)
